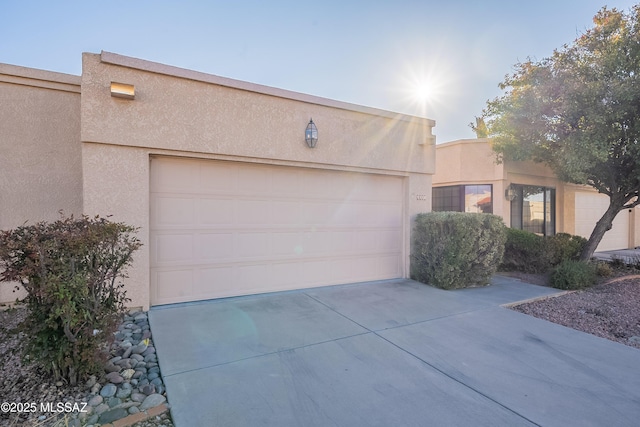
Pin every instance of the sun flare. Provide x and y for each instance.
(426, 86)
(425, 91)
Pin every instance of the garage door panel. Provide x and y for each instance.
(178, 176)
(387, 190)
(214, 246)
(285, 212)
(348, 269)
(389, 215)
(314, 244)
(318, 272)
(237, 228)
(251, 212)
(253, 181)
(363, 189)
(174, 248)
(286, 183)
(367, 241)
(174, 210)
(389, 266)
(287, 275)
(315, 213)
(286, 244)
(217, 178)
(589, 209)
(355, 214)
(390, 240)
(216, 211)
(173, 285)
(340, 242)
(218, 280)
(253, 278)
(251, 245)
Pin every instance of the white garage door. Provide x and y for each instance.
(220, 228)
(589, 209)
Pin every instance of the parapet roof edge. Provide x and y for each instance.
(464, 141)
(38, 74)
(155, 67)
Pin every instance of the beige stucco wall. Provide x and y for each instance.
(472, 161)
(185, 113)
(40, 154)
(182, 110)
(465, 160)
(635, 226)
(116, 182)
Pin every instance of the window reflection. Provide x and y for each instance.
(463, 198)
(478, 198)
(533, 209)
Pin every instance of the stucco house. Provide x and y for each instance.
(525, 194)
(216, 173)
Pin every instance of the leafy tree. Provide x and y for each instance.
(479, 128)
(578, 111)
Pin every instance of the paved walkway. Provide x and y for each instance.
(627, 255)
(393, 353)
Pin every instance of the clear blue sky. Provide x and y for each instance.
(374, 53)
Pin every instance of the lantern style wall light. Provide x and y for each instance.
(311, 134)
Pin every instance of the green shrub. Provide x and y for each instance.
(563, 246)
(524, 251)
(531, 253)
(72, 271)
(455, 250)
(603, 269)
(570, 275)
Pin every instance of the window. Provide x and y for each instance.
(463, 198)
(533, 209)
(446, 199)
(477, 198)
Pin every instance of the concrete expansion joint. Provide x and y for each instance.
(462, 383)
(339, 314)
(257, 356)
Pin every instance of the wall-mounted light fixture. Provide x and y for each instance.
(122, 90)
(311, 134)
(510, 193)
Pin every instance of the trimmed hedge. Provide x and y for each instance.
(531, 253)
(563, 247)
(453, 250)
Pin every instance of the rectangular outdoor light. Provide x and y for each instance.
(122, 90)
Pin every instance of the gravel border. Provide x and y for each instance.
(609, 310)
(140, 401)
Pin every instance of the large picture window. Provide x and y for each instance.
(463, 198)
(533, 209)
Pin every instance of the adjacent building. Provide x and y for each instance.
(526, 195)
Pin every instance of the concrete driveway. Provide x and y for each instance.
(393, 353)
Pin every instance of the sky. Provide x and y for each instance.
(437, 59)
